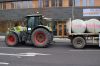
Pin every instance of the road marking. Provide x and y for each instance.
(4, 63)
(13, 48)
(23, 54)
(84, 50)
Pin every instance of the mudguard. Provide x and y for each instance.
(45, 27)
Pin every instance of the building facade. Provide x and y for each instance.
(60, 11)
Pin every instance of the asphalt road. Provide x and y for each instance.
(59, 54)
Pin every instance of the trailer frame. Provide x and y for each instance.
(83, 37)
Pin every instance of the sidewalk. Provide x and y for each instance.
(2, 38)
(61, 40)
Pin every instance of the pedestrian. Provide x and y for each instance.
(17, 27)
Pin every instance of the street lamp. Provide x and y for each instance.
(73, 6)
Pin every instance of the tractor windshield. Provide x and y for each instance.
(46, 21)
(40, 20)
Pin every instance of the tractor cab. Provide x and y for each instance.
(37, 20)
(33, 21)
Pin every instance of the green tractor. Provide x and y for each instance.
(38, 34)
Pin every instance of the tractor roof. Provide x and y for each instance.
(34, 15)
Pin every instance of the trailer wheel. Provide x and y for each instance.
(78, 42)
(41, 37)
(11, 39)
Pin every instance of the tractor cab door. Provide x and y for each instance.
(33, 22)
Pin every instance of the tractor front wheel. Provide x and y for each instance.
(41, 37)
(11, 39)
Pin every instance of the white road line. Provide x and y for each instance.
(84, 50)
(13, 48)
(4, 63)
(23, 54)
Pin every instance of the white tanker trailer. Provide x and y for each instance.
(83, 32)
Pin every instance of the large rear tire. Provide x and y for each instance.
(41, 38)
(11, 40)
(78, 42)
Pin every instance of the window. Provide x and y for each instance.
(66, 3)
(31, 22)
(60, 2)
(84, 2)
(12, 5)
(23, 4)
(18, 4)
(4, 5)
(88, 2)
(53, 3)
(9, 5)
(27, 4)
(56, 3)
(35, 4)
(43, 3)
(70, 2)
(1, 6)
(46, 3)
(40, 3)
(30, 4)
(77, 2)
(97, 2)
(91, 2)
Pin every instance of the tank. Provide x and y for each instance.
(97, 26)
(78, 26)
(93, 25)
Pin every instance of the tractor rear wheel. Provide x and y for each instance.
(11, 39)
(41, 37)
